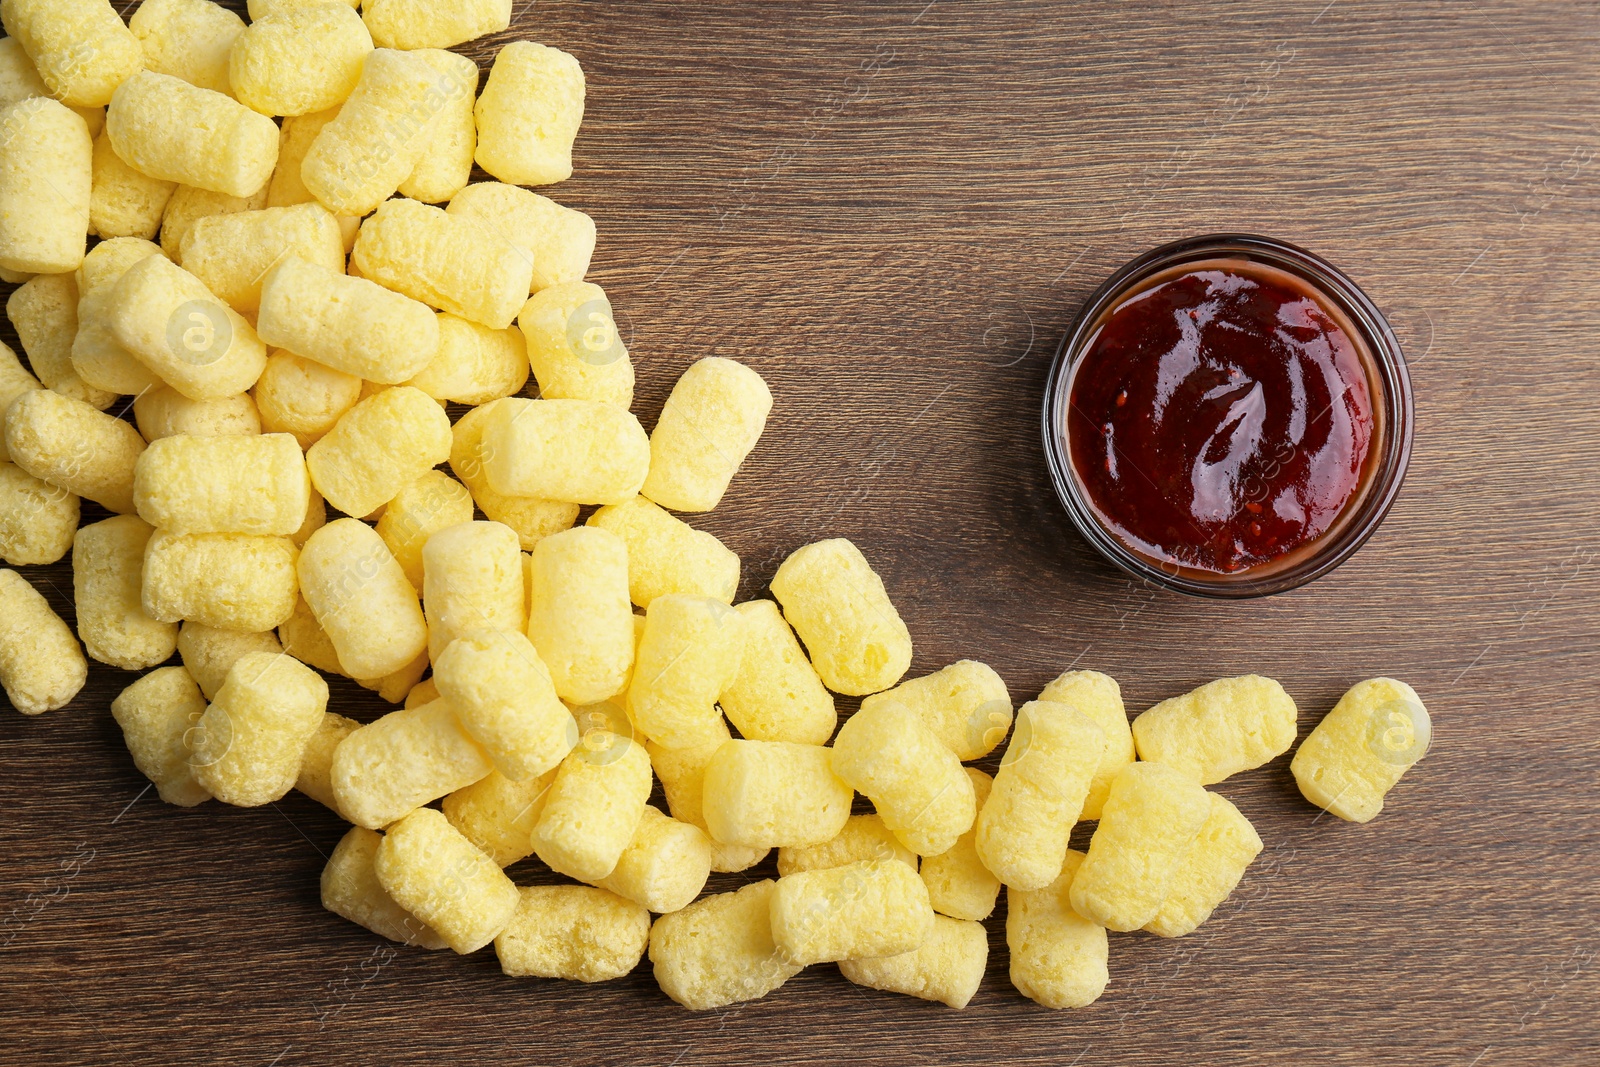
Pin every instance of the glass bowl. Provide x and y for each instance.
(1388, 454)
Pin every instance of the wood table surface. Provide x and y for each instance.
(892, 212)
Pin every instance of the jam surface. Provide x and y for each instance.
(1221, 417)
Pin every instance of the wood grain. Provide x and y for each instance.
(893, 211)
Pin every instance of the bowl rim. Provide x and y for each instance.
(1388, 473)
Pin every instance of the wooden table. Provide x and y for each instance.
(893, 214)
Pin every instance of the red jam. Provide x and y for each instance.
(1220, 418)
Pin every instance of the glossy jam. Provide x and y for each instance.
(1221, 417)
